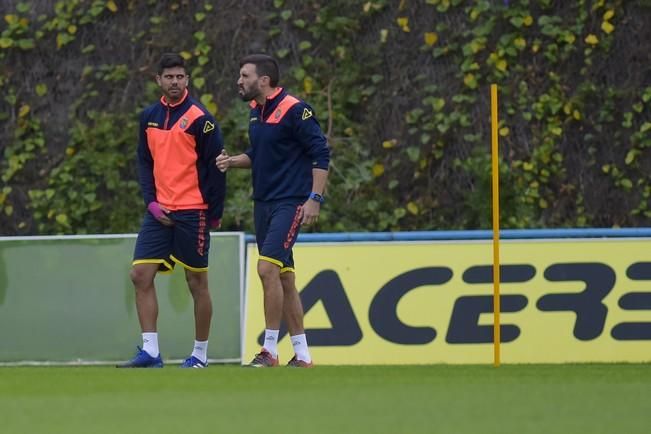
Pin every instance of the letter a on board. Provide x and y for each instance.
(327, 288)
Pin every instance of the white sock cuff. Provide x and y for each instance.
(271, 341)
(299, 342)
(150, 343)
(200, 350)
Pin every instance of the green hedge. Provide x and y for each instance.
(400, 87)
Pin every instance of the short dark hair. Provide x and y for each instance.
(170, 60)
(264, 65)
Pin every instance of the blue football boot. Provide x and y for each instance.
(193, 362)
(142, 359)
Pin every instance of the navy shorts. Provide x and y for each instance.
(186, 243)
(276, 228)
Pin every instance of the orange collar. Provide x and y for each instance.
(254, 104)
(165, 103)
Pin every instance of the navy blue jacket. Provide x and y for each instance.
(286, 144)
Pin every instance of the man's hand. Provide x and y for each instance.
(215, 223)
(160, 213)
(310, 212)
(223, 161)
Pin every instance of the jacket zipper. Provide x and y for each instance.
(167, 118)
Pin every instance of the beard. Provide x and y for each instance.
(250, 94)
(173, 93)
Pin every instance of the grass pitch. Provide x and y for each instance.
(586, 398)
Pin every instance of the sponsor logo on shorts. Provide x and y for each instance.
(292, 230)
(201, 239)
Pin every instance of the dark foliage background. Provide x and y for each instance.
(401, 88)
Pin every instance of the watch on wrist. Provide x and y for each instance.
(317, 197)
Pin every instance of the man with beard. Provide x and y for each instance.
(289, 158)
(184, 195)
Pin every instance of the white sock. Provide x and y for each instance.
(200, 350)
(271, 341)
(150, 343)
(300, 348)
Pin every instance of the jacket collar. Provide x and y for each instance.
(270, 99)
(164, 102)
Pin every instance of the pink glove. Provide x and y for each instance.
(155, 210)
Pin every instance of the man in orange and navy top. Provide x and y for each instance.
(184, 195)
(289, 158)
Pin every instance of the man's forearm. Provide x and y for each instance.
(241, 161)
(319, 179)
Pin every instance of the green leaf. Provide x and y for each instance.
(41, 89)
(199, 82)
(23, 7)
(299, 74)
(438, 104)
(628, 120)
(26, 44)
(369, 90)
(646, 96)
(414, 115)
(517, 21)
(282, 53)
(62, 219)
(413, 153)
(6, 42)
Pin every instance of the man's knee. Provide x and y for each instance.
(288, 280)
(197, 281)
(141, 277)
(267, 270)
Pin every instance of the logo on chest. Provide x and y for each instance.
(278, 113)
(184, 123)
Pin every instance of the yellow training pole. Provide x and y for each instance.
(496, 228)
